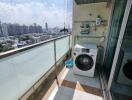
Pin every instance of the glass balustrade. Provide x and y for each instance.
(20, 71)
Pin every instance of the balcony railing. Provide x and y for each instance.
(20, 69)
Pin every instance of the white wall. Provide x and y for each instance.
(81, 13)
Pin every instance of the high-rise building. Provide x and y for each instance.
(11, 29)
(35, 28)
(31, 29)
(39, 29)
(0, 29)
(46, 26)
(25, 29)
(3, 30)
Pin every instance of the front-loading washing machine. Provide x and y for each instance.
(125, 73)
(84, 59)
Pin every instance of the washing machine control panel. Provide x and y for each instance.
(85, 50)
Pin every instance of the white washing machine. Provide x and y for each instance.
(85, 59)
(125, 73)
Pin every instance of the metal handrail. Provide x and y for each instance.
(44, 76)
(14, 51)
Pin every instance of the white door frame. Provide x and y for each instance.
(119, 43)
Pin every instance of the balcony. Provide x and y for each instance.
(38, 71)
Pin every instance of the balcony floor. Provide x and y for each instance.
(76, 87)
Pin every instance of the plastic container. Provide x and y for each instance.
(69, 63)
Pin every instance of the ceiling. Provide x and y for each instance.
(89, 1)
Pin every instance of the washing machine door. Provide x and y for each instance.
(84, 62)
(127, 69)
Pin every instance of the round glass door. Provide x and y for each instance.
(127, 69)
(84, 62)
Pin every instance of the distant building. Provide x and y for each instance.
(31, 29)
(8, 29)
(0, 29)
(46, 26)
(25, 29)
(3, 30)
(11, 29)
(39, 29)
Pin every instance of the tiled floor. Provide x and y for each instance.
(75, 87)
(117, 96)
(66, 93)
(88, 81)
(121, 91)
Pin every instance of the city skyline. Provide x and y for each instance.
(13, 29)
(35, 11)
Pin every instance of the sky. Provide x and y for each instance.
(36, 11)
